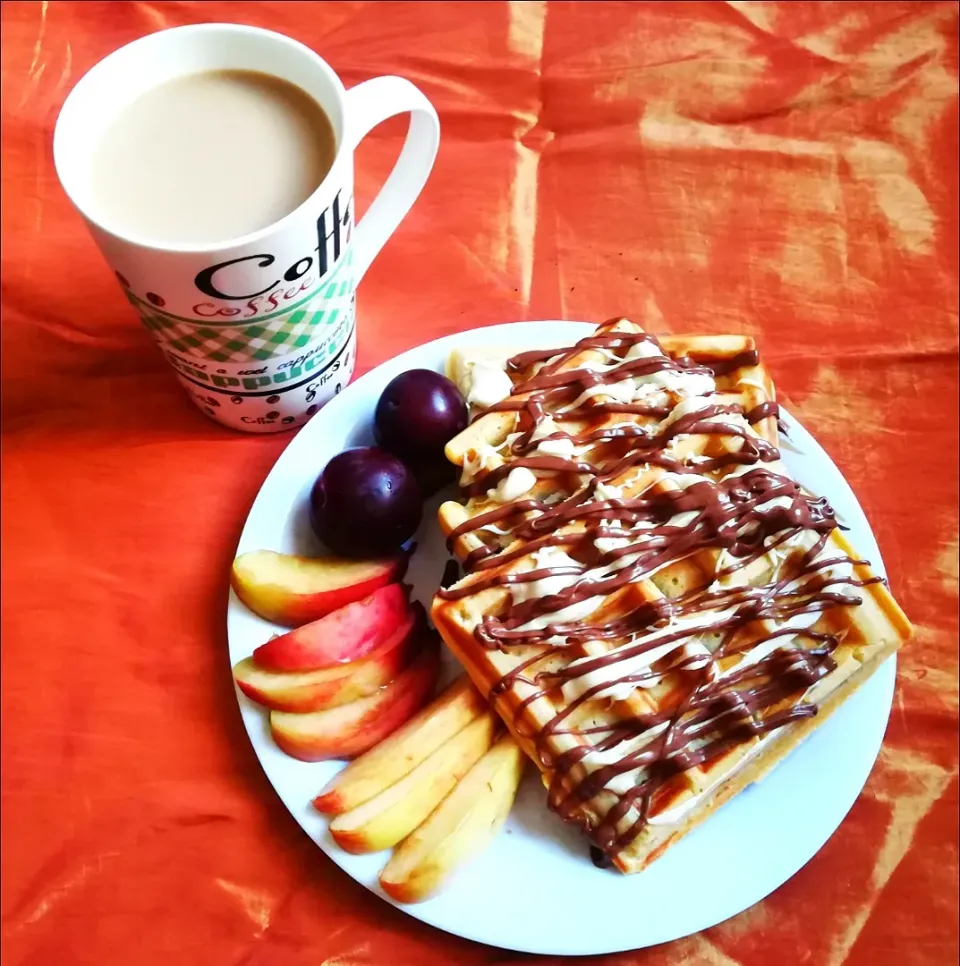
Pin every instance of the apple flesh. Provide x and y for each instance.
(393, 814)
(303, 691)
(459, 829)
(461, 826)
(291, 590)
(350, 729)
(447, 715)
(345, 635)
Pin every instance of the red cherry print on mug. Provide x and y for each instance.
(273, 399)
(312, 409)
(287, 419)
(155, 299)
(236, 400)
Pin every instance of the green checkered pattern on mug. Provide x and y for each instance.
(256, 341)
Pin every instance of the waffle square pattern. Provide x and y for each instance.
(657, 611)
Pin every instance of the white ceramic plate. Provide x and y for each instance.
(535, 889)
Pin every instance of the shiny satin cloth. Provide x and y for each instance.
(786, 170)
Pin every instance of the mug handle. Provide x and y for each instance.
(367, 105)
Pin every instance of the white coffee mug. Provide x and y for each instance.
(260, 330)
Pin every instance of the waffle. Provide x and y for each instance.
(657, 611)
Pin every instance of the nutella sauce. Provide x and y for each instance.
(745, 516)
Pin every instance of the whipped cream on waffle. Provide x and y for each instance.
(485, 383)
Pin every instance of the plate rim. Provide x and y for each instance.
(883, 680)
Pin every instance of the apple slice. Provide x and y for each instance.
(345, 635)
(462, 825)
(327, 687)
(291, 590)
(350, 729)
(394, 813)
(419, 738)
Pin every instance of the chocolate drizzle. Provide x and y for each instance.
(612, 547)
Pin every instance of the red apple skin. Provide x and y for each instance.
(351, 729)
(345, 635)
(290, 590)
(302, 691)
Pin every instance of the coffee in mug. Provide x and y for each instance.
(164, 169)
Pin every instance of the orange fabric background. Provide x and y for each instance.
(788, 170)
